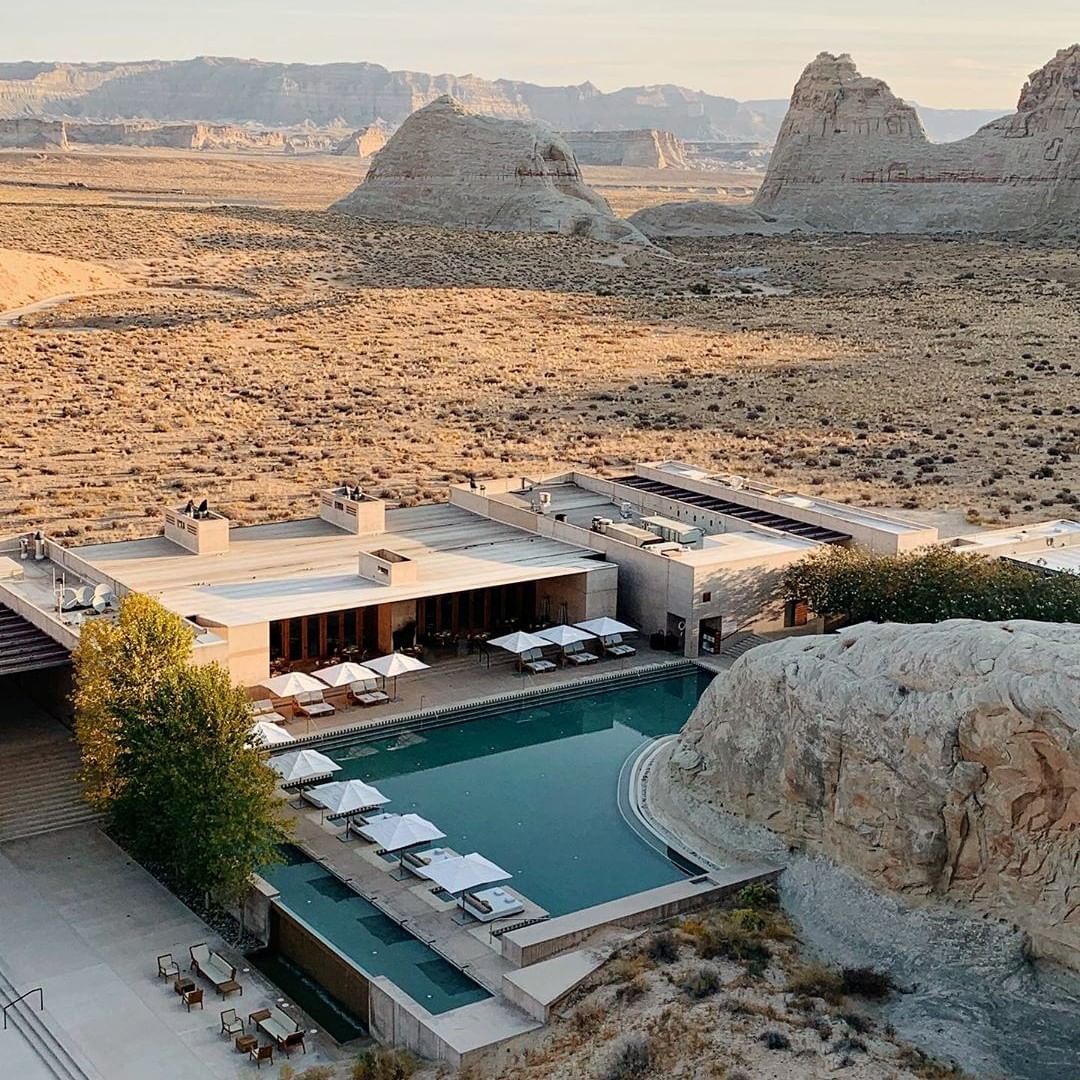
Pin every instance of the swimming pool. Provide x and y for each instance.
(533, 786)
(368, 937)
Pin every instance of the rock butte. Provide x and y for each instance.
(648, 148)
(446, 166)
(853, 157)
(937, 760)
(363, 142)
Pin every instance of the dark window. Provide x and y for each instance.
(277, 647)
(295, 626)
(706, 597)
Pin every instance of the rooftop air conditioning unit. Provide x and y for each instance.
(543, 502)
(600, 524)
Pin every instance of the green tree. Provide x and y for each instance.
(118, 666)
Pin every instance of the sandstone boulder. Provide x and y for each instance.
(449, 167)
(670, 221)
(938, 760)
(851, 156)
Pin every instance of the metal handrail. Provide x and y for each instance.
(41, 1002)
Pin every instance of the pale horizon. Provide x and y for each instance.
(975, 55)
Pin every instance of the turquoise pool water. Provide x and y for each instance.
(364, 934)
(534, 787)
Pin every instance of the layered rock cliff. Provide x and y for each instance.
(851, 156)
(645, 149)
(364, 142)
(938, 760)
(447, 166)
(32, 134)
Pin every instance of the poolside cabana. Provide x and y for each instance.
(466, 872)
(393, 665)
(265, 734)
(344, 798)
(303, 767)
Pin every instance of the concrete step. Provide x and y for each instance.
(739, 643)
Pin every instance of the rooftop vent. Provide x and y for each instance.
(387, 567)
(197, 528)
(348, 508)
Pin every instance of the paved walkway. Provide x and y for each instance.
(80, 919)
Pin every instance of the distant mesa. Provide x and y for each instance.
(643, 149)
(30, 134)
(364, 142)
(450, 167)
(851, 156)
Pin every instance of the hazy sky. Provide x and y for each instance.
(937, 52)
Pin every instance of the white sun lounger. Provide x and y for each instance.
(365, 693)
(264, 710)
(491, 904)
(312, 704)
(576, 653)
(615, 646)
(533, 661)
(418, 862)
(358, 826)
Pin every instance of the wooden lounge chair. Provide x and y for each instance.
(231, 1024)
(365, 693)
(193, 997)
(213, 967)
(167, 967)
(576, 653)
(533, 661)
(312, 704)
(259, 1054)
(615, 646)
(282, 1028)
(264, 710)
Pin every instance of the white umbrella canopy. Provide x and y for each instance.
(300, 765)
(291, 684)
(346, 796)
(344, 674)
(605, 627)
(465, 872)
(519, 642)
(395, 664)
(396, 832)
(265, 733)
(564, 635)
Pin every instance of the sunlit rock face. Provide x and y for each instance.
(447, 166)
(938, 760)
(851, 156)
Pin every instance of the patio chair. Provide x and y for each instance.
(264, 710)
(291, 1042)
(365, 693)
(259, 1054)
(533, 661)
(312, 704)
(576, 653)
(194, 997)
(615, 646)
(167, 967)
(231, 1024)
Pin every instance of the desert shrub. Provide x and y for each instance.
(663, 948)
(761, 896)
(722, 940)
(749, 919)
(857, 1022)
(776, 1040)
(317, 1072)
(635, 988)
(866, 982)
(589, 1016)
(631, 1059)
(814, 980)
(384, 1063)
(929, 585)
(701, 983)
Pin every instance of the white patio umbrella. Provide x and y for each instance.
(395, 664)
(344, 674)
(299, 766)
(291, 684)
(264, 733)
(605, 627)
(465, 873)
(564, 635)
(396, 832)
(519, 642)
(345, 797)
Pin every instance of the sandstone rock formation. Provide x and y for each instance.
(703, 219)
(364, 142)
(938, 760)
(33, 134)
(149, 133)
(446, 166)
(642, 149)
(853, 157)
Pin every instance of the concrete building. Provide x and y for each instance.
(1052, 547)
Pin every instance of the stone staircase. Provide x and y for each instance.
(731, 648)
(39, 789)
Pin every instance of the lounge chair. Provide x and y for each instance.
(365, 693)
(231, 1024)
(615, 646)
(167, 967)
(492, 904)
(312, 704)
(281, 1027)
(533, 661)
(576, 653)
(212, 966)
(259, 1054)
(358, 825)
(264, 710)
(417, 862)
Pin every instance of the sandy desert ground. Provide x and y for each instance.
(251, 347)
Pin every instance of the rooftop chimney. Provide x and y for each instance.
(196, 528)
(350, 509)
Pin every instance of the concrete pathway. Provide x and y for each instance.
(84, 922)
